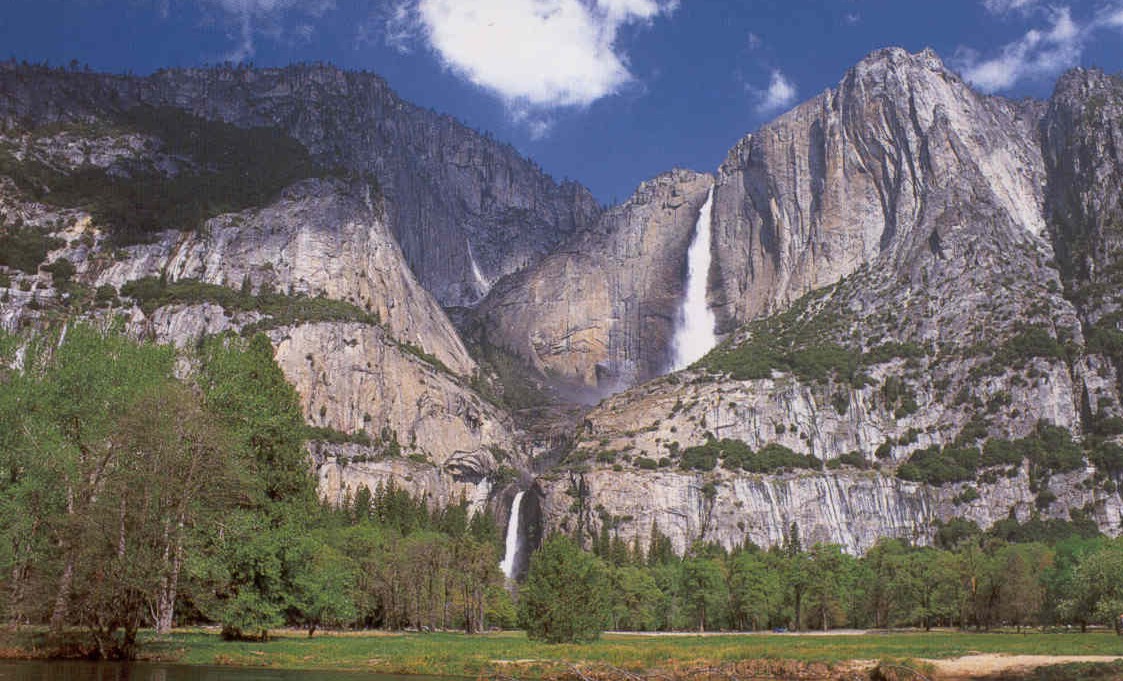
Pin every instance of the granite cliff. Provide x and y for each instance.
(916, 287)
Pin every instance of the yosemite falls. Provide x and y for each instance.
(512, 548)
(694, 335)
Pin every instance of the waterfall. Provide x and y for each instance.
(482, 284)
(694, 335)
(508, 564)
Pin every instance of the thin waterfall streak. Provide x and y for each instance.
(512, 547)
(695, 334)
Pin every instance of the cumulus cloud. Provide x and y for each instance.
(780, 94)
(252, 17)
(1037, 54)
(534, 54)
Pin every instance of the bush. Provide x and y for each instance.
(854, 459)
(940, 465)
(1030, 342)
(551, 609)
(62, 271)
(24, 248)
(699, 458)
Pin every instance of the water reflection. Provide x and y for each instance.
(142, 671)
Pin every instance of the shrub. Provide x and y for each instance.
(24, 248)
(699, 458)
(940, 465)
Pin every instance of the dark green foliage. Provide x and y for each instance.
(25, 248)
(1107, 457)
(699, 458)
(736, 455)
(337, 437)
(940, 465)
(817, 363)
(151, 293)
(999, 452)
(551, 609)
(955, 532)
(229, 169)
(760, 356)
(1030, 342)
(1050, 531)
(242, 383)
(106, 293)
(800, 340)
(889, 351)
(419, 353)
(62, 270)
(972, 431)
(968, 495)
(854, 459)
(644, 463)
(899, 397)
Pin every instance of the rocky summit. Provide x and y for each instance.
(916, 290)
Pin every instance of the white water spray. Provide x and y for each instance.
(508, 564)
(695, 336)
(482, 284)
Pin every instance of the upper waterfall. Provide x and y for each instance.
(694, 333)
(512, 548)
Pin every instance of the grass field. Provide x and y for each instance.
(450, 654)
(461, 655)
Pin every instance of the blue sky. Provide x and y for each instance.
(606, 92)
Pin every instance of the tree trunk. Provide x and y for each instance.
(165, 601)
(62, 600)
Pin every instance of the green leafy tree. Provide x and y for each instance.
(1098, 585)
(704, 591)
(564, 598)
(322, 585)
(756, 591)
(635, 599)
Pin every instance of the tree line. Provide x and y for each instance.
(145, 487)
(1033, 574)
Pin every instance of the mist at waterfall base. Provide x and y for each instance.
(694, 334)
(511, 551)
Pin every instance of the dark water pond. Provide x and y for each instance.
(144, 671)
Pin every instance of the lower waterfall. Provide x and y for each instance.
(694, 334)
(508, 563)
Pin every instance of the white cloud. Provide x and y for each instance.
(780, 94)
(534, 54)
(252, 17)
(1111, 17)
(1037, 54)
(1007, 6)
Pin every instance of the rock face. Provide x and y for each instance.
(465, 209)
(599, 312)
(904, 271)
(1082, 137)
(320, 238)
(915, 210)
(843, 178)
